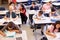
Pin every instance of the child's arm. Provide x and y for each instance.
(2, 33)
(17, 31)
(50, 34)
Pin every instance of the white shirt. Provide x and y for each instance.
(36, 16)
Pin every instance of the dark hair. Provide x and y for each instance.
(53, 9)
(22, 5)
(41, 12)
(10, 25)
(57, 22)
(50, 2)
(11, 3)
(34, 3)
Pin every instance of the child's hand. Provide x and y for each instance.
(3, 35)
(54, 36)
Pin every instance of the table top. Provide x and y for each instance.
(4, 12)
(42, 21)
(18, 21)
(33, 11)
(18, 12)
(51, 38)
(57, 4)
(45, 20)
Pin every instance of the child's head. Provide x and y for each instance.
(40, 13)
(53, 11)
(33, 4)
(22, 6)
(12, 4)
(57, 24)
(10, 26)
(11, 8)
(48, 2)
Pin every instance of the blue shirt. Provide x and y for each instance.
(35, 8)
(55, 14)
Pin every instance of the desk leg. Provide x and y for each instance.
(19, 25)
(35, 27)
(47, 25)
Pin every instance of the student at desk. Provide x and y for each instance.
(34, 7)
(46, 8)
(38, 16)
(11, 27)
(53, 13)
(53, 29)
(10, 14)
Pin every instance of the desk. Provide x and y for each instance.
(23, 35)
(45, 0)
(31, 13)
(18, 21)
(57, 4)
(43, 21)
(51, 38)
(36, 21)
(4, 12)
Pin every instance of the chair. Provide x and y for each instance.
(2, 8)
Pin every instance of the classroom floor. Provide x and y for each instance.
(30, 34)
(29, 31)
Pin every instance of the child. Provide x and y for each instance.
(39, 15)
(54, 28)
(10, 27)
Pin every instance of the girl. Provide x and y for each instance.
(10, 27)
(54, 28)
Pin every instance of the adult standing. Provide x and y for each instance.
(23, 13)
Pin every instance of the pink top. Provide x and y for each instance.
(46, 7)
(51, 29)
